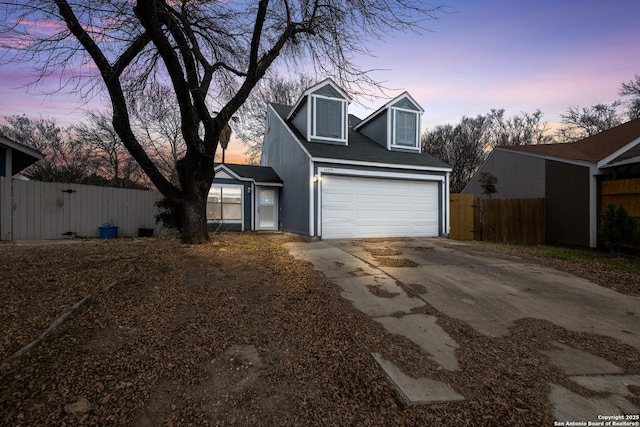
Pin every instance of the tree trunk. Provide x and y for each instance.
(194, 221)
(196, 173)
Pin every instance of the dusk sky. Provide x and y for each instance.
(479, 54)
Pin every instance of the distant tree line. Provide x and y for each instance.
(92, 153)
(466, 145)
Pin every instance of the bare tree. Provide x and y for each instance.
(632, 89)
(157, 123)
(253, 114)
(65, 159)
(110, 159)
(523, 129)
(213, 53)
(579, 123)
(466, 145)
(463, 146)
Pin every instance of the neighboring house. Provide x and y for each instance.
(15, 157)
(567, 176)
(243, 198)
(349, 178)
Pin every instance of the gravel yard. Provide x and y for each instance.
(237, 332)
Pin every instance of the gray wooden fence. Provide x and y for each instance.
(32, 210)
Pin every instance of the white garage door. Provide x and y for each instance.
(354, 207)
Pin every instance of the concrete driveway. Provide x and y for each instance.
(391, 280)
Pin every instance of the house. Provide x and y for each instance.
(15, 157)
(568, 176)
(243, 198)
(344, 177)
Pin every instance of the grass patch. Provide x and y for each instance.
(629, 265)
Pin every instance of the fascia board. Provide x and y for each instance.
(585, 163)
(268, 184)
(377, 174)
(611, 157)
(21, 148)
(380, 165)
(628, 161)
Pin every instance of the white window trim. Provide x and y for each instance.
(394, 123)
(343, 118)
(231, 221)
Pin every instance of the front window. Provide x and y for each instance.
(406, 128)
(224, 203)
(329, 118)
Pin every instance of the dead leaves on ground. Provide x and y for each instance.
(236, 332)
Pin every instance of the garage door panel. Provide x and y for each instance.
(354, 207)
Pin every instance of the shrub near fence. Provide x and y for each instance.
(514, 221)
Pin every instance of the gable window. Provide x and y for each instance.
(224, 203)
(405, 129)
(329, 119)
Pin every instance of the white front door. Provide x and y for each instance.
(267, 209)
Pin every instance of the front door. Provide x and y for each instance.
(267, 215)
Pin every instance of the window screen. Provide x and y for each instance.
(328, 118)
(224, 203)
(406, 128)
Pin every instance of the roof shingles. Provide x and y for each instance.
(360, 148)
(592, 149)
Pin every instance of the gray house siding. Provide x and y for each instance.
(300, 119)
(3, 161)
(567, 204)
(282, 152)
(518, 176)
(328, 90)
(376, 129)
(405, 103)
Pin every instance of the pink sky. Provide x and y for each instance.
(517, 55)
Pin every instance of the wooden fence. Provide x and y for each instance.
(514, 221)
(622, 192)
(32, 210)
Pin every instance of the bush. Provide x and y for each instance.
(170, 214)
(618, 228)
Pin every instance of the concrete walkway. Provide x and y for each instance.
(489, 292)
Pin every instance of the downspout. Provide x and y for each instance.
(593, 206)
(8, 173)
(312, 210)
(447, 206)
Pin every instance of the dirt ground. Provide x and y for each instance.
(237, 332)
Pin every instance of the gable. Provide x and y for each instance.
(396, 125)
(330, 91)
(224, 175)
(321, 114)
(406, 104)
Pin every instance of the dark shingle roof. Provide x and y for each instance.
(257, 173)
(360, 147)
(591, 149)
